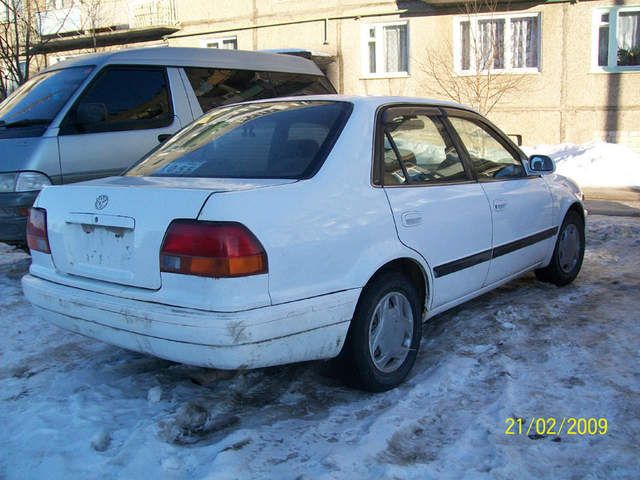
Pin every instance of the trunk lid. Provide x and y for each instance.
(112, 229)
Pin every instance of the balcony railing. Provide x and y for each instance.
(149, 13)
(108, 14)
(64, 20)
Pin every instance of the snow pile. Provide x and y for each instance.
(594, 164)
(73, 407)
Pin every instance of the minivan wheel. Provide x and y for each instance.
(568, 253)
(384, 335)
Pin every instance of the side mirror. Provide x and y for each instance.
(541, 164)
(88, 114)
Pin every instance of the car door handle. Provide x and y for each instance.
(499, 205)
(411, 219)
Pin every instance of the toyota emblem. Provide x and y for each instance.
(101, 201)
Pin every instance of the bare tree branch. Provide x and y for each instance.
(20, 32)
(483, 84)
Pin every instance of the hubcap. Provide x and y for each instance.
(391, 332)
(569, 248)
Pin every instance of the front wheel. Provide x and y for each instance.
(568, 253)
(385, 334)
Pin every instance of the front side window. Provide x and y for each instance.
(489, 157)
(617, 38)
(254, 140)
(418, 150)
(498, 43)
(41, 98)
(122, 98)
(385, 49)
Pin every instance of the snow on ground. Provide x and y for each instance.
(72, 407)
(595, 164)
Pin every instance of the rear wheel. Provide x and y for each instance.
(384, 335)
(568, 253)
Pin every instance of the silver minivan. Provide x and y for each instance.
(95, 115)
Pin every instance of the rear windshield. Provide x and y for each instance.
(255, 140)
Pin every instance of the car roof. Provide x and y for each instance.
(374, 101)
(196, 57)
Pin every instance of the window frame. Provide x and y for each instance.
(377, 164)
(496, 134)
(612, 57)
(507, 17)
(206, 43)
(67, 127)
(380, 49)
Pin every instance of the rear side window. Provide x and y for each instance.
(289, 84)
(490, 158)
(417, 149)
(122, 98)
(254, 140)
(216, 87)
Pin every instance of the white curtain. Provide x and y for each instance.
(524, 42)
(465, 45)
(396, 48)
(491, 44)
(628, 30)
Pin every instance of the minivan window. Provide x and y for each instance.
(259, 140)
(215, 87)
(41, 98)
(291, 84)
(122, 98)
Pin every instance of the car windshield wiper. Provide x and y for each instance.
(25, 123)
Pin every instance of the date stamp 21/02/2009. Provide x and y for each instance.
(556, 426)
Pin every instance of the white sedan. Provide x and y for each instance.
(300, 229)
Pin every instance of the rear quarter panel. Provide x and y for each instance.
(324, 234)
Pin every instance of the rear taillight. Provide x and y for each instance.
(211, 249)
(37, 238)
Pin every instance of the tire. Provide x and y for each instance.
(365, 367)
(568, 253)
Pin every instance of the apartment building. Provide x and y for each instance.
(549, 71)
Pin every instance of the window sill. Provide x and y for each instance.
(634, 69)
(519, 71)
(377, 76)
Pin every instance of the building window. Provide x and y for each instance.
(57, 4)
(227, 43)
(617, 38)
(497, 43)
(4, 13)
(386, 49)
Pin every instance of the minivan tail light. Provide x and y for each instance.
(37, 237)
(211, 249)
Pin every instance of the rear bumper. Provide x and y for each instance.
(13, 220)
(309, 329)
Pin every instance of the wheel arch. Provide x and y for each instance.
(413, 270)
(575, 207)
